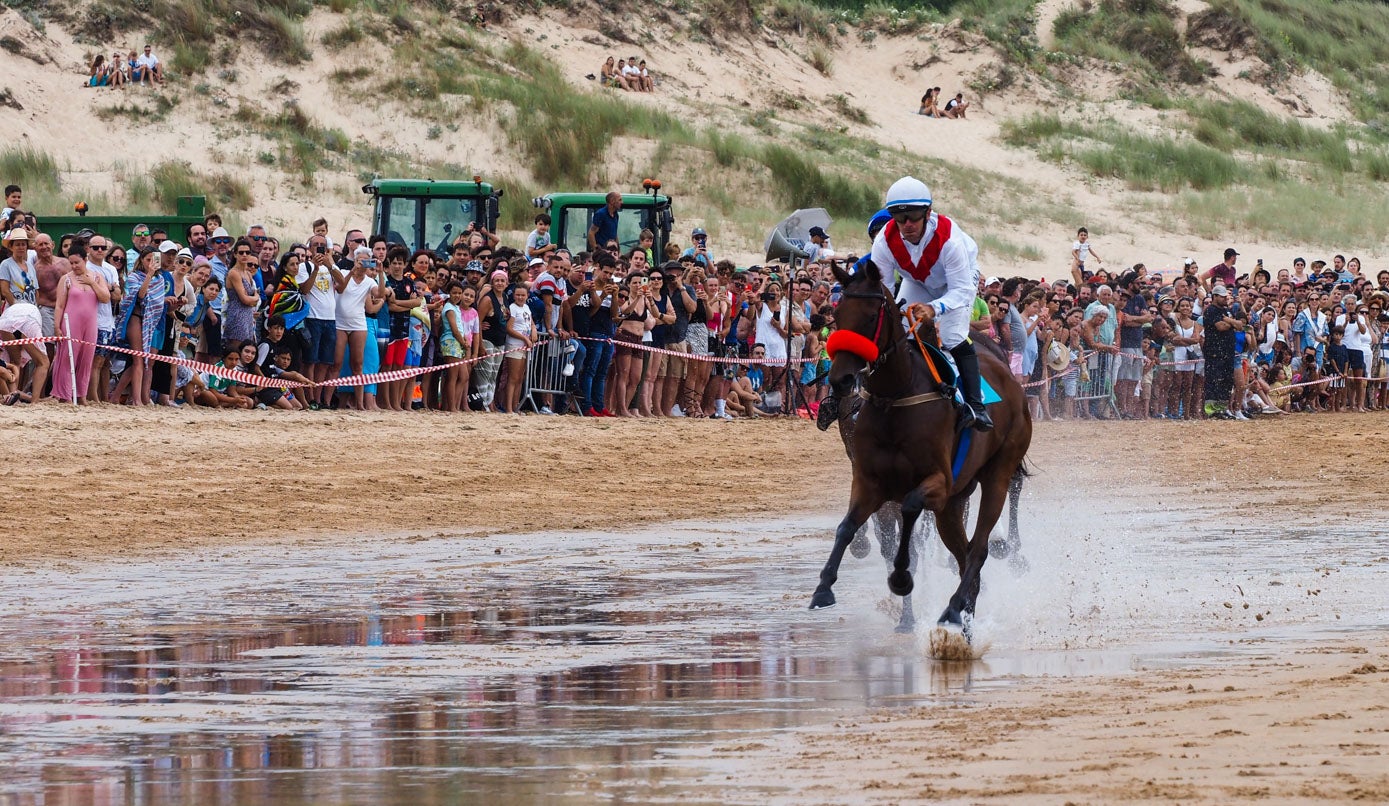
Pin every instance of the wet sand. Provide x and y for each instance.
(1292, 723)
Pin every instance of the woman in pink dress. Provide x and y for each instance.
(79, 293)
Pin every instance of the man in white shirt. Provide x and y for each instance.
(320, 328)
(97, 249)
(148, 68)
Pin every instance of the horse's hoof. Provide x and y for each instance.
(860, 547)
(900, 582)
(950, 618)
(999, 549)
(822, 600)
(905, 627)
(1019, 565)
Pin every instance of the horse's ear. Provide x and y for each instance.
(839, 274)
(871, 269)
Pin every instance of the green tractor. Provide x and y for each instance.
(430, 214)
(188, 210)
(571, 215)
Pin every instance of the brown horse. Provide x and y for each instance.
(904, 440)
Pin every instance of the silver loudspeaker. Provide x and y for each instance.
(779, 248)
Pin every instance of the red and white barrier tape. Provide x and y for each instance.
(774, 362)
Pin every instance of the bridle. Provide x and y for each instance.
(883, 352)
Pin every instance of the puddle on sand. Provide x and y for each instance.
(572, 666)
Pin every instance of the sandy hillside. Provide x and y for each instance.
(702, 81)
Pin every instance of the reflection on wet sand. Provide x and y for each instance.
(259, 710)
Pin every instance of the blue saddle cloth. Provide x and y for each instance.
(946, 364)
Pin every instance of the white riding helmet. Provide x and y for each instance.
(908, 192)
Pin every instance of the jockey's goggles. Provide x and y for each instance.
(904, 214)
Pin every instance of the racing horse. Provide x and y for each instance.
(904, 442)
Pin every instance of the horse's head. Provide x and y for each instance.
(864, 320)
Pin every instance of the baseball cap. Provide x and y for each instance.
(1219, 291)
(1230, 252)
(698, 232)
(992, 281)
(474, 265)
(537, 261)
(168, 246)
(820, 231)
(1186, 261)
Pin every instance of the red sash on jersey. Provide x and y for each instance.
(921, 269)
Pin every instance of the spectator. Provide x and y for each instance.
(699, 249)
(538, 243)
(520, 337)
(460, 343)
(17, 282)
(956, 107)
(316, 283)
(603, 227)
(1129, 372)
(79, 295)
(647, 83)
(354, 290)
(492, 315)
(148, 69)
(928, 104)
(1081, 252)
(22, 321)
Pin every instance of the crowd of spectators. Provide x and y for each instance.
(132, 68)
(629, 74)
(1193, 343)
(638, 334)
(297, 313)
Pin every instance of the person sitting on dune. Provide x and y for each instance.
(955, 107)
(928, 105)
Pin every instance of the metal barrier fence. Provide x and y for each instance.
(545, 373)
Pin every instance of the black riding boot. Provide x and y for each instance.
(968, 363)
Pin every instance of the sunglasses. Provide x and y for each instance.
(144, 234)
(98, 248)
(183, 261)
(258, 238)
(221, 240)
(358, 240)
(903, 216)
(243, 253)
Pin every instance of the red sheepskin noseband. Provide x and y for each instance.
(856, 343)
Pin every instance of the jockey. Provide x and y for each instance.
(939, 267)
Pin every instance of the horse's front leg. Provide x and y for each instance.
(860, 508)
(930, 494)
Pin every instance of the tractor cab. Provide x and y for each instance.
(571, 216)
(430, 214)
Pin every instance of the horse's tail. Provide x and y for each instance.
(1023, 471)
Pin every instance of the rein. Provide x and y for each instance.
(883, 353)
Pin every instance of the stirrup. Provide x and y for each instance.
(828, 413)
(964, 417)
(982, 421)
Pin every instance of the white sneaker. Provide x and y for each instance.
(546, 410)
(676, 412)
(1239, 415)
(724, 416)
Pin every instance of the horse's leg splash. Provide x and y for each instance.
(843, 536)
(995, 492)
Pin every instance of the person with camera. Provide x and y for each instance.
(676, 302)
(316, 284)
(769, 320)
(700, 251)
